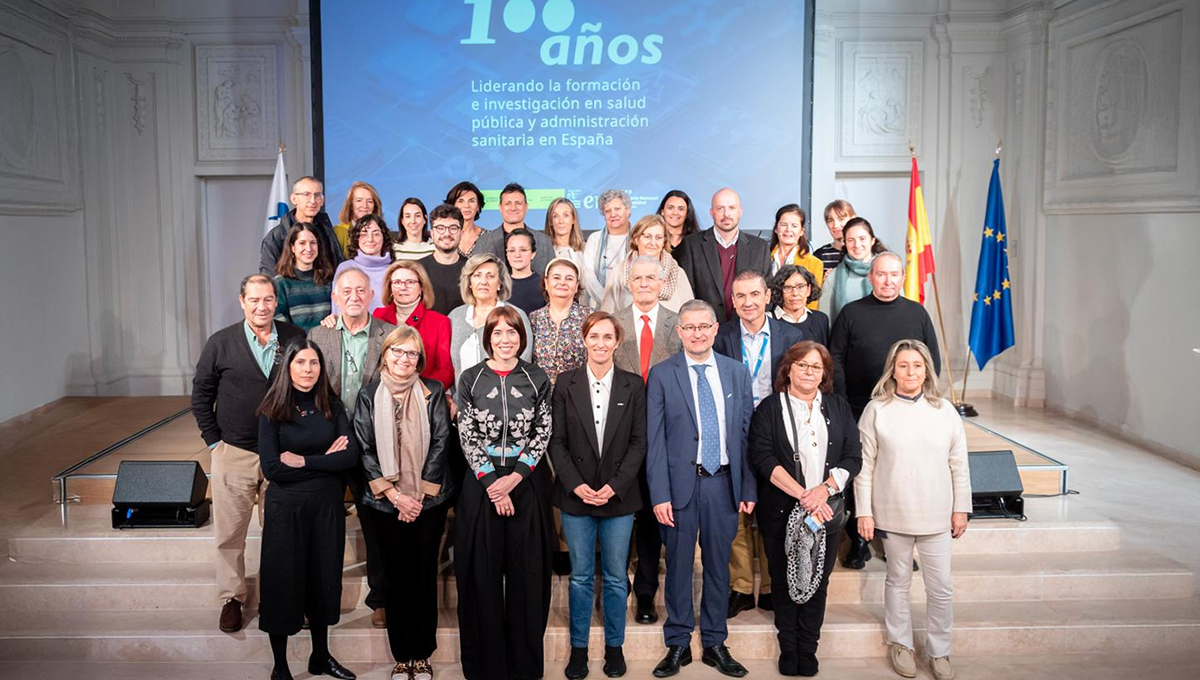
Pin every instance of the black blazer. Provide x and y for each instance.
(437, 463)
(573, 443)
(783, 335)
(697, 256)
(769, 447)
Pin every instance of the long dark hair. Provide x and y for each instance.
(690, 224)
(278, 405)
(402, 232)
(322, 270)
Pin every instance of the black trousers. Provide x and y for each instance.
(502, 565)
(409, 557)
(648, 543)
(369, 522)
(303, 544)
(798, 625)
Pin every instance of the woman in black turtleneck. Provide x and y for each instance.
(305, 444)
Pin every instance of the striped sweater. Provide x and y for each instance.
(300, 301)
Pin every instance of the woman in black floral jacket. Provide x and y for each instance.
(503, 528)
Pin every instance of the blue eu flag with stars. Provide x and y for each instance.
(991, 312)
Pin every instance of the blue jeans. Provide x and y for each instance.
(580, 532)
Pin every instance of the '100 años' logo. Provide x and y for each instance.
(557, 16)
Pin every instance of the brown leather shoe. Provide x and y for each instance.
(379, 618)
(231, 616)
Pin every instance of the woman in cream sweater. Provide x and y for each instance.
(915, 488)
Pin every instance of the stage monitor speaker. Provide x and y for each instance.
(160, 493)
(996, 488)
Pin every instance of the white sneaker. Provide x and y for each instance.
(942, 670)
(903, 661)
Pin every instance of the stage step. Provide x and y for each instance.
(977, 578)
(1093, 666)
(850, 631)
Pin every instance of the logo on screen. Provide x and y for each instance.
(560, 50)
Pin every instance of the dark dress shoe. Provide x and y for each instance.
(577, 667)
(858, 555)
(765, 603)
(739, 602)
(807, 665)
(646, 612)
(718, 657)
(331, 667)
(560, 562)
(789, 663)
(677, 657)
(614, 661)
(379, 618)
(231, 616)
(284, 674)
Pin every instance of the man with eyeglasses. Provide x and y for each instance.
(759, 342)
(308, 197)
(698, 407)
(444, 266)
(236, 366)
(352, 349)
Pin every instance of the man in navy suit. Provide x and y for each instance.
(759, 343)
(698, 411)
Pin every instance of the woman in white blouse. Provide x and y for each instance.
(915, 489)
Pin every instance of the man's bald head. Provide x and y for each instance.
(726, 212)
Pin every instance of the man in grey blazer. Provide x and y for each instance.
(711, 258)
(650, 337)
(698, 408)
(351, 348)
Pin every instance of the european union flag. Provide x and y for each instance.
(991, 313)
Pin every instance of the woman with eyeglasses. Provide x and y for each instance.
(408, 299)
(305, 444)
(649, 238)
(503, 529)
(402, 423)
(370, 250)
(793, 292)
(804, 450)
(485, 285)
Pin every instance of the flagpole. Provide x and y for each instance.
(937, 297)
(964, 408)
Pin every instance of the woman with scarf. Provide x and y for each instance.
(649, 238)
(607, 247)
(804, 449)
(850, 280)
(402, 424)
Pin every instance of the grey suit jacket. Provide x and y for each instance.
(330, 342)
(666, 339)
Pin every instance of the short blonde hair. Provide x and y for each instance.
(399, 334)
(415, 267)
(475, 262)
(640, 228)
(885, 389)
(348, 206)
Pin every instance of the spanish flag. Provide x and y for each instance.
(918, 245)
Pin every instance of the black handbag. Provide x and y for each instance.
(837, 501)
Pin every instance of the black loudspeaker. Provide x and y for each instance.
(160, 494)
(996, 488)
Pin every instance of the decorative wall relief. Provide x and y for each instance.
(976, 95)
(236, 102)
(98, 75)
(881, 98)
(1122, 133)
(139, 100)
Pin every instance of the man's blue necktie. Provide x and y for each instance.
(710, 431)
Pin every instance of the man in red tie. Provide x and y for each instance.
(650, 337)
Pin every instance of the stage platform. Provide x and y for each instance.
(1082, 581)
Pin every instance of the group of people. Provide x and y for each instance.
(653, 389)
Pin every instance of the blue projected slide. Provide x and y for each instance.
(566, 97)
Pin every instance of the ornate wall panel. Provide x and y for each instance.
(1122, 124)
(236, 100)
(880, 85)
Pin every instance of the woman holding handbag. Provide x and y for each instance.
(804, 449)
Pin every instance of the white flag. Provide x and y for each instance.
(277, 200)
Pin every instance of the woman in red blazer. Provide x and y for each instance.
(408, 295)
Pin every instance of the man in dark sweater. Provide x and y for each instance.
(236, 366)
(444, 265)
(711, 258)
(861, 337)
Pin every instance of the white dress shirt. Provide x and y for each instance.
(720, 240)
(814, 442)
(638, 323)
(599, 390)
(784, 316)
(753, 348)
(714, 382)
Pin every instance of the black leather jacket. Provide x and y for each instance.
(437, 462)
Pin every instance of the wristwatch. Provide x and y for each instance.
(830, 489)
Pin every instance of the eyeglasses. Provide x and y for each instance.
(309, 195)
(404, 283)
(795, 288)
(808, 368)
(351, 364)
(697, 327)
(397, 353)
(447, 229)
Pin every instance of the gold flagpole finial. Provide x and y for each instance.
(282, 147)
(912, 148)
(999, 146)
